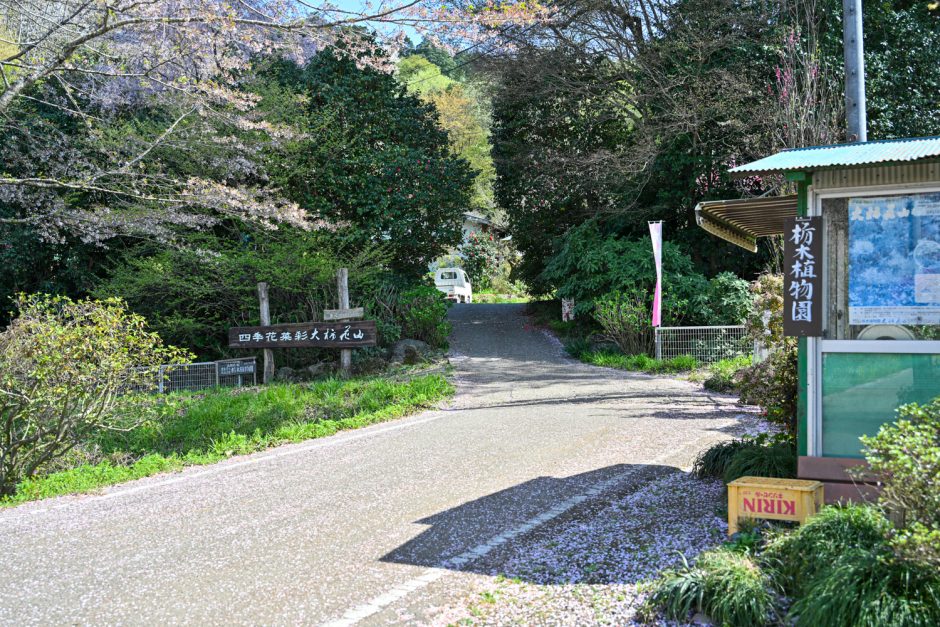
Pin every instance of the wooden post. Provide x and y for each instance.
(342, 288)
(266, 321)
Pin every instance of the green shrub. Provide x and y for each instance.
(424, 316)
(772, 385)
(64, 369)
(625, 318)
(795, 558)
(905, 456)
(727, 586)
(761, 456)
(713, 461)
(591, 263)
(870, 587)
(729, 299)
(721, 374)
(764, 458)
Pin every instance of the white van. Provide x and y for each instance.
(455, 284)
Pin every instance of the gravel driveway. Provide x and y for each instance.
(562, 476)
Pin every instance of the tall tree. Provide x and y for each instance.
(464, 112)
(369, 158)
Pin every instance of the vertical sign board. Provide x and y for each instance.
(802, 282)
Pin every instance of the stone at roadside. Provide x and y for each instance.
(286, 374)
(317, 369)
(408, 352)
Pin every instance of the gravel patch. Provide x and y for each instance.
(591, 568)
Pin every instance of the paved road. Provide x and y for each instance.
(346, 528)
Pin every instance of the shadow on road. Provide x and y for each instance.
(458, 530)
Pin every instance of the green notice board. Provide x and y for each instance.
(861, 391)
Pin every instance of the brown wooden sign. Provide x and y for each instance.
(802, 283)
(305, 335)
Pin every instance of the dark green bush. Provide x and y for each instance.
(424, 316)
(482, 259)
(762, 456)
(713, 461)
(870, 587)
(765, 458)
(906, 458)
(796, 558)
(729, 299)
(591, 264)
(725, 585)
(625, 318)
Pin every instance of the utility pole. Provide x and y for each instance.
(854, 48)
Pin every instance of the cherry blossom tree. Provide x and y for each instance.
(74, 74)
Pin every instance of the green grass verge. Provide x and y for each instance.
(720, 377)
(638, 363)
(196, 429)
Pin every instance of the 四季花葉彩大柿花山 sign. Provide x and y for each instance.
(305, 335)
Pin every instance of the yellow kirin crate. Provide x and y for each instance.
(773, 499)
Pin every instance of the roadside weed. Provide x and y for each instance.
(203, 428)
(725, 585)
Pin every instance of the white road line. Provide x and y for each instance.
(400, 591)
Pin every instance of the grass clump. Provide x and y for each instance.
(762, 456)
(726, 585)
(776, 458)
(721, 374)
(197, 429)
(871, 587)
(797, 558)
(713, 461)
(841, 570)
(638, 363)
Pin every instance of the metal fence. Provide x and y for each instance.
(201, 375)
(706, 344)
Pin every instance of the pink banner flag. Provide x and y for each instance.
(656, 234)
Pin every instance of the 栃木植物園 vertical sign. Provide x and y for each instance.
(802, 283)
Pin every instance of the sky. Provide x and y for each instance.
(358, 7)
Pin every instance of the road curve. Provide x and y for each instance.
(341, 529)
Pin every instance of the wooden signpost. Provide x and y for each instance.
(266, 320)
(341, 329)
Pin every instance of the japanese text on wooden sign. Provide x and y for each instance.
(233, 367)
(802, 295)
(305, 335)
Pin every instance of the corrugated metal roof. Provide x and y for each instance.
(844, 155)
(742, 221)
